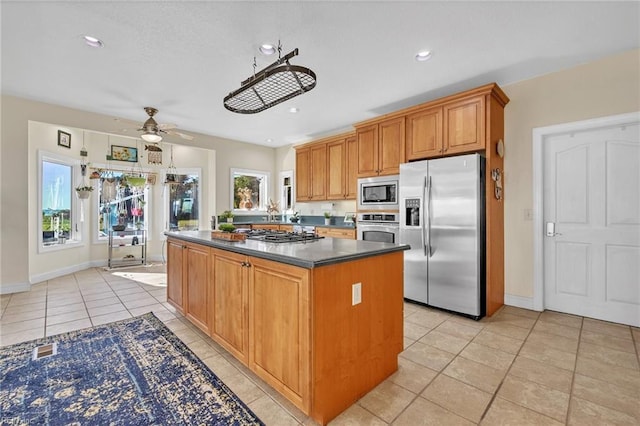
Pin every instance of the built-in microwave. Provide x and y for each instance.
(378, 193)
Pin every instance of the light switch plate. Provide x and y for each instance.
(356, 294)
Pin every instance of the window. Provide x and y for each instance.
(249, 190)
(57, 203)
(122, 201)
(184, 204)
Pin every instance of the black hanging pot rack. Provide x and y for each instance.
(274, 84)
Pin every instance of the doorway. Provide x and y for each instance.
(587, 218)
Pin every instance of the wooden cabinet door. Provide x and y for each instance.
(336, 170)
(303, 174)
(391, 146)
(175, 274)
(286, 228)
(424, 134)
(345, 233)
(271, 226)
(464, 127)
(367, 146)
(279, 323)
(230, 316)
(197, 297)
(351, 168)
(318, 172)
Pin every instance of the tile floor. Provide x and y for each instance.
(518, 367)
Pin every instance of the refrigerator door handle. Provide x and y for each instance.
(423, 221)
(427, 209)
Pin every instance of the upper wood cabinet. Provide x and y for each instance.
(464, 125)
(326, 170)
(424, 134)
(381, 147)
(311, 173)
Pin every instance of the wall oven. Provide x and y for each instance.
(378, 193)
(381, 227)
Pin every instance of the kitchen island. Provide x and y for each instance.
(321, 321)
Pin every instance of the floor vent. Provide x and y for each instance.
(45, 351)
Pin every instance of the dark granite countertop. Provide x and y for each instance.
(325, 251)
(318, 225)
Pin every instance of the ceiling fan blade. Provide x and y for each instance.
(167, 126)
(182, 135)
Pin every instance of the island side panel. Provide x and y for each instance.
(354, 347)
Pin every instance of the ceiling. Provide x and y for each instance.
(184, 57)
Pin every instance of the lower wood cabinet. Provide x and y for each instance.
(175, 272)
(230, 300)
(346, 233)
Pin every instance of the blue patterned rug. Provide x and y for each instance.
(131, 372)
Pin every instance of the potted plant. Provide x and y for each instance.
(295, 217)
(227, 215)
(327, 218)
(226, 227)
(84, 191)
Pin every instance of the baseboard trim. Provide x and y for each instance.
(519, 301)
(35, 279)
(14, 288)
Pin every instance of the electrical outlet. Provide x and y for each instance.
(356, 294)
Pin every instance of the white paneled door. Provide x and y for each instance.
(592, 223)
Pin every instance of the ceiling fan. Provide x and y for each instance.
(152, 131)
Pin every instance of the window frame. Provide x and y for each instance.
(167, 198)
(76, 236)
(264, 187)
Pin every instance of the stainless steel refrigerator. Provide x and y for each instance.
(442, 219)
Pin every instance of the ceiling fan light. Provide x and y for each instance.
(425, 55)
(151, 137)
(93, 41)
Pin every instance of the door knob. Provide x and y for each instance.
(551, 230)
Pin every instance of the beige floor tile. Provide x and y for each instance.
(505, 413)
(493, 358)
(221, 367)
(22, 316)
(412, 376)
(608, 395)
(427, 356)
(422, 412)
(355, 416)
(427, 318)
(130, 292)
(68, 326)
(457, 397)
(244, 388)
(187, 335)
(609, 356)
(444, 341)
(112, 317)
(21, 336)
(521, 312)
(457, 329)
(107, 294)
(156, 307)
(16, 327)
(102, 302)
(202, 349)
(414, 331)
(407, 343)
(609, 373)
(271, 413)
(507, 330)
(142, 301)
(561, 319)
(557, 329)
(541, 399)
(468, 321)
(60, 293)
(175, 324)
(94, 289)
(387, 400)
(617, 343)
(108, 309)
(66, 309)
(586, 413)
(554, 341)
(609, 328)
(542, 373)
(514, 320)
(498, 341)
(551, 356)
(30, 307)
(17, 303)
(64, 301)
(475, 374)
(69, 316)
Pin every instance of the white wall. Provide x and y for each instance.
(18, 171)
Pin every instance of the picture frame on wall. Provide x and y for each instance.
(124, 153)
(64, 139)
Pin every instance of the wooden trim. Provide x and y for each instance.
(326, 139)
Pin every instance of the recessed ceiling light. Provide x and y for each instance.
(267, 49)
(269, 140)
(92, 41)
(293, 110)
(425, 55)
